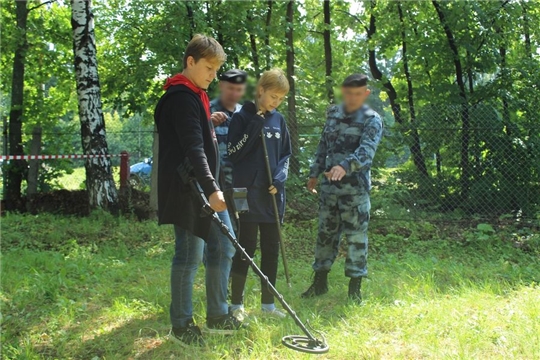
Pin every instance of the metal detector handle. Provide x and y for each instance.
(185, 170)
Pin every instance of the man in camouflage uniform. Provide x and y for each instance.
(344, 155)
(232, 86)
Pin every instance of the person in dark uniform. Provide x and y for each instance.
(344, 156)
(246, 152)
(232, 86)
(186, 134)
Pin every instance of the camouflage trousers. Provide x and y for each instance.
(346, 215)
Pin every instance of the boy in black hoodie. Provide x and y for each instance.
(186, 134)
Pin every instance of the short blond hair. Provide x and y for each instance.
(204, 47)
(273, 79)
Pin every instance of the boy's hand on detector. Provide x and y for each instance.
(217, 201)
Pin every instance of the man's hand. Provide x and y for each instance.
(217, 201)
(218, 118)
(272, 190)
(312, 184)
(336, 173)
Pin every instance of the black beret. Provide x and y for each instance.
(234, 76)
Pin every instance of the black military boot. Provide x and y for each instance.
(354, 289)
(319, 286)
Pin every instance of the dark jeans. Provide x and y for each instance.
(189, 252)
(269, 259)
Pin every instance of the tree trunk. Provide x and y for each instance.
(33, 168)
(390, 90)
(416, 148)
(526, 29)
(504, 97)
(465, 124)
(16, 168)
(99, 181)
(291, 99)
(254, 51)
(255, 55)
(191, 19)
(470, 77)
(438, 162)
(329, 82)
(376, 73)
(268, 24)
(5, 151)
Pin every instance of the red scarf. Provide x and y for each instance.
(180, 79)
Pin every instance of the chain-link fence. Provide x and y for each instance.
(483, 162)
(452, 162)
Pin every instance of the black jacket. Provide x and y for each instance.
(246, 152)
(184, 132)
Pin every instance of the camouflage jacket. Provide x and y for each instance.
(349, 140)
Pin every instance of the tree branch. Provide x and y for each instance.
(356, 18)
(40, 5)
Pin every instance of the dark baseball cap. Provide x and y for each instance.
(234, 76)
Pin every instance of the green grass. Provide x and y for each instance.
(76, 180)
(97, 288)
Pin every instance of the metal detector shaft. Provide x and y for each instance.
(309, 343)
(276, 212)
(259, 273)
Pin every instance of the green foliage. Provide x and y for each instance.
(485, 228)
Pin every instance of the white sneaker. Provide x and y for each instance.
(275, 313)
(240, 314)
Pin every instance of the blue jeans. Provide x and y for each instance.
(189, 252)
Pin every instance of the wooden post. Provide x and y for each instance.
(5, 150)
(154, 176)
(33, 167)
(124, 170)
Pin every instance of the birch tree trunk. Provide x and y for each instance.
(99, 181)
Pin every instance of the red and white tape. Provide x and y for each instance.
(48, 157)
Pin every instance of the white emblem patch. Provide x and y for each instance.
(269, 135)
(277, 135)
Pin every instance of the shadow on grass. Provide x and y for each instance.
(136, 338)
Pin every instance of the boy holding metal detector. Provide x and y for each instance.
(190, 196)
(186, 135)
(259, 148)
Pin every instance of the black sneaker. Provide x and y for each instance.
(354, 289)
(189, 335)
(224, 325)
(319, 286)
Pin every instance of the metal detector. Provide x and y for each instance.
(276, 211)
(307, 343)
